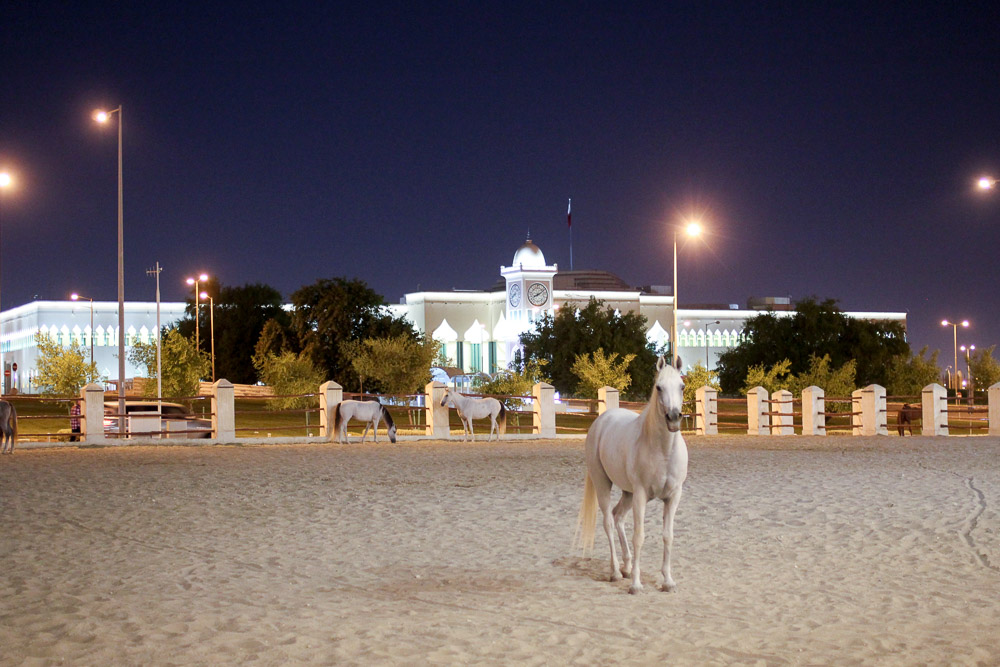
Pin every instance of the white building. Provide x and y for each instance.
(480, 329)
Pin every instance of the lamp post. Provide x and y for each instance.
(76, 297)
(954, 329)
(104, 117)
(968, 369)
(159, 371)
(692, 229)
(211, 317)
(6, 182)
(197, 292)
(706, 342)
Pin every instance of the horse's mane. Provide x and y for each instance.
(387, 417)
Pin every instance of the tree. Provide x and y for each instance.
(699, 377)
(772, 379)
(240, 314)
(290, 375)
(514, 381)
(329, 313)
(572, 332)
(62, 371)
(597, 370)
(396, 365)
(182, 365)
(814, 330)
(985, 370)
(908, 375)
(274, 338)
(833, 382)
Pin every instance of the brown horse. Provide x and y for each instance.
(8, 427)
(905, 417)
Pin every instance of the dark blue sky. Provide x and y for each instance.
(830, 151)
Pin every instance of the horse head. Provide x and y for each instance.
(669, 392)
(389, 424)
(447, 395)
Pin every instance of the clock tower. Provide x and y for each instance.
(529, 288)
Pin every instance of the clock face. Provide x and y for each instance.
(514, 295)
(538, 294)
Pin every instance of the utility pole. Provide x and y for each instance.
(159, 372)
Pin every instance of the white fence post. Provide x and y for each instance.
(813, 409)
(758, 421)
(437, 415)
(934, 410)
(870, 402)
(994, 409)
(607, 399)
(543, 411)
(782, 403)
(92, 413)
(223, 411)
(330, 396)
(706, 405)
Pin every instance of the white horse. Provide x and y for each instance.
(470, 408)
(8, 427)
(367, 411)
(645, 456)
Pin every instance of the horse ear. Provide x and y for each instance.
(660, 363)
(677, 362)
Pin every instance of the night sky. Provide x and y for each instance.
(830, 151)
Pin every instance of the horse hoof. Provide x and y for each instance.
(668, 588)
(634, 589)
(615, 577)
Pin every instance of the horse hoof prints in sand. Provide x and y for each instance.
(645, 456)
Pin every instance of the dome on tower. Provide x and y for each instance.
(529, 256)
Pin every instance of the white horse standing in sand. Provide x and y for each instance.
(645, 456)
(371, 412)
(470, 408)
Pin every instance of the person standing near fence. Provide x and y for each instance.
(74, 421)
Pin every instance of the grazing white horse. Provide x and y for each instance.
(470, 408)
(8, 427)
(367, 411)
(645, 456)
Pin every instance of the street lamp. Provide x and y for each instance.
(986, 183)
(954, 329)
(197, 292)
(159, 331)
(211, 317)
(77, 297)
(104, 117)
(692, 229)
(6, 182)
(706, 342)
(968, 367)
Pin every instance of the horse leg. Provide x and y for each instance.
(365, 434)
(602, 486)
(638, 536)
(471, 432)
(669, 508)
(621, 509)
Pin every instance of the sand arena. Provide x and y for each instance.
(836, 550)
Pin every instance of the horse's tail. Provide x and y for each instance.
(502, 419)
(13, 425)
(337, 419)
(586, 520)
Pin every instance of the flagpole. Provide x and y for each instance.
(569, 223)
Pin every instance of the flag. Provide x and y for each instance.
(569, 214)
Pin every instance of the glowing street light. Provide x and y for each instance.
(986, 183)
(77, 297)
(211, 315)
(6, 183)
(968, 366)
(104, 117)
(692, 229)
(954, 328)
(202, 277)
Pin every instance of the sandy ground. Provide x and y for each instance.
(797, 551)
